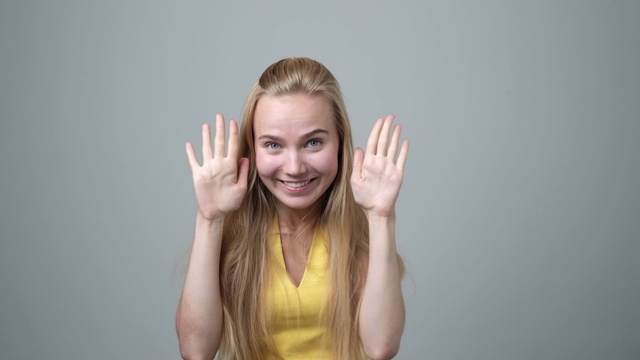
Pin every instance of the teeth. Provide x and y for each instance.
(297, 184)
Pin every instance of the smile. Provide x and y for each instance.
(296, 185)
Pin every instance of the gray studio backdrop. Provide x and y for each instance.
(519, 214)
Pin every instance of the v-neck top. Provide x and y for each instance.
(298, 324)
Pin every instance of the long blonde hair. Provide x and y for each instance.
(244, 259)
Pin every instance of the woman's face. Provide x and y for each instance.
(297, 145)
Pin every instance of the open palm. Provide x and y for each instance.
(377, 173)
(221, 182)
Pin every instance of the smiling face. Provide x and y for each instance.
(296, 144)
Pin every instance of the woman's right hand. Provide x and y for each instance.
(221, 182)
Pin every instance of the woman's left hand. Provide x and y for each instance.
(377, 172)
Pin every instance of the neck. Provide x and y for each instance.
(295, 221)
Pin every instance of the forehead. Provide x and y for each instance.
(291, 114)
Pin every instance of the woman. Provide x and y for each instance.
(294, 250)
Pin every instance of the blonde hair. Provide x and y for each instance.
(244, 259)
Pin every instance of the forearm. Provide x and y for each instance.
(199, 314)
(382, 316)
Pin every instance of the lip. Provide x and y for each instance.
(297, 186)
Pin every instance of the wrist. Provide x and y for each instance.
(377, 217)
(209, 220)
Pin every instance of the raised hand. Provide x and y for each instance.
(221, 182)
(377, 173)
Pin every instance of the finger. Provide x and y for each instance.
(206, 142)
(372, 143)
(218, 144)
(383, 141)
(233, 140)
(358, 158)
(402, 158)
(193, 162)
(393, 146)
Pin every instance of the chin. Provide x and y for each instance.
(298, 204)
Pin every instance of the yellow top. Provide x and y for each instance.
(298, 330)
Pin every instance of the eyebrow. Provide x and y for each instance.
(309, 134)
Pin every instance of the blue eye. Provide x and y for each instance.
(314, 143)
(272, 146)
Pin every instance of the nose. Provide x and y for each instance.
(294, 163)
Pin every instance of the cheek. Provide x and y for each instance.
(327, 163)
(265, 165)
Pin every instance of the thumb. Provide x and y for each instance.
(243, 171)
(358, 158)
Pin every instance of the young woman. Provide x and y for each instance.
(294, 254)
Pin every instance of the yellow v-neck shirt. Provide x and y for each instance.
(298, 329)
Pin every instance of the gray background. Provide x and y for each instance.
(519, 214)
